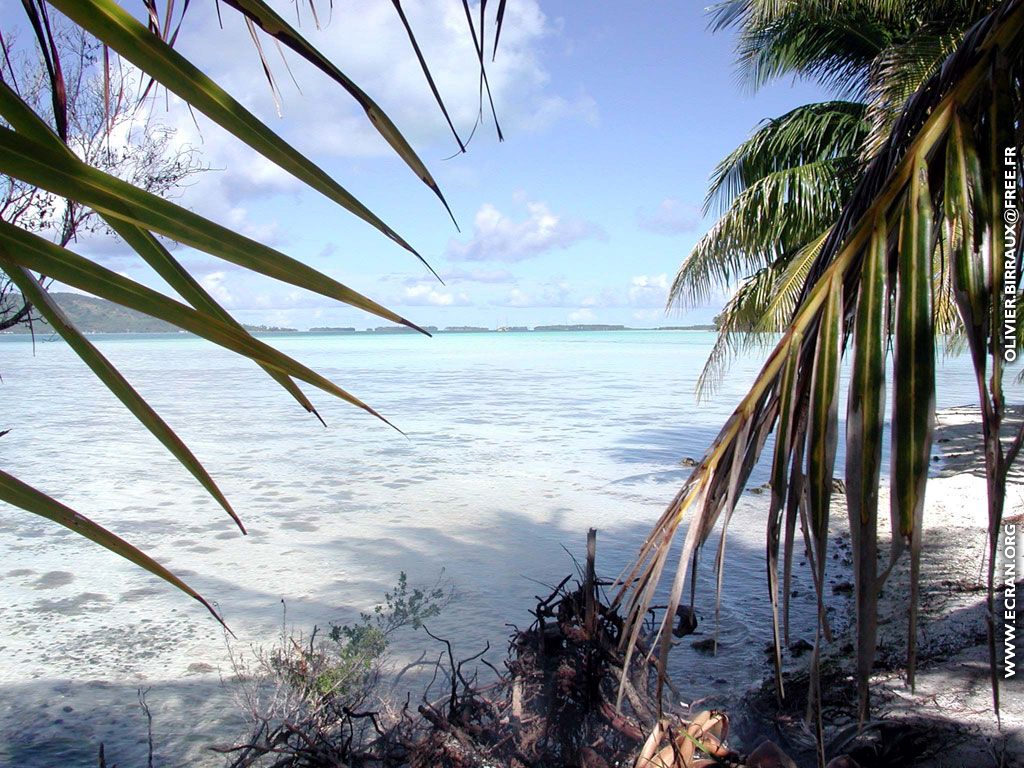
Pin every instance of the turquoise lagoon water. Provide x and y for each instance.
(516, 444)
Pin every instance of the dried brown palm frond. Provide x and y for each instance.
(941, 170)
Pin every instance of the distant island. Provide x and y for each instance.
(709, 327)
(400, 329)
(268, 329)
(92, 315)
(591, 327)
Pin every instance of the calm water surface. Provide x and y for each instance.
(517, 444)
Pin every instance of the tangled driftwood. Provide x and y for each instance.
(554, 704)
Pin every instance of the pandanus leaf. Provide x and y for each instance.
(112, 379)
(30, 251)
(913, 414)
(865, 420)
(53, 170)
(21, 495)
(260, 14)
(117, 28)
(25, 121)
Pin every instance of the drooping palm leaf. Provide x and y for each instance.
(15, 492)
(806, 134)
(29, 251)
(913, 413)
(33, 153)
(865, 419)
(112, 379)
(874, 52)
(883, 241)
(21, 117)
(58, 172)
(271, 23)
(115, 27)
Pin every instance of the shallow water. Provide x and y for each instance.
(516, 444)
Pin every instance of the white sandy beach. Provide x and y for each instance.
(952, 699)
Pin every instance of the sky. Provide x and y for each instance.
(614, 116)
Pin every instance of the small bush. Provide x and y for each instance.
(315, 683)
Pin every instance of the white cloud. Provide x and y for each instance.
(649, 315)
(582, 315)
(214, 285)
(497, 237)
(556, 293)
(495, 276)
(671, 217)
(426, 295)
(365, 39)
(645, 291)
(517, 298)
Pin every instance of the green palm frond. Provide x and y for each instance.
(775, 215)
(942, 167)
(875, 52)
(115, 27)
(738, 327)
(899, 71)
(59, 172)
(33, 153)
(21, 117)
(810, 133)
(13, 491)
(788, 287)
(833, 46)
(756, 313)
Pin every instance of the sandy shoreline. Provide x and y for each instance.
(953, 681)
(952, 697)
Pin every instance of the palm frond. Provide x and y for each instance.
(115, 27)
(899, 71)
(890, 218)
(13, 491)
(810, 133)
(831, 45)
(44, 159)
(777, 214)
(59, 172)
(739, 327)
(21, 117)
(786, 292)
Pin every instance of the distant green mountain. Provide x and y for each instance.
(92, 315)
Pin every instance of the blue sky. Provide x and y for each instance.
(614, 114)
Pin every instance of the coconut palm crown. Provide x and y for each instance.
(778, 193)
